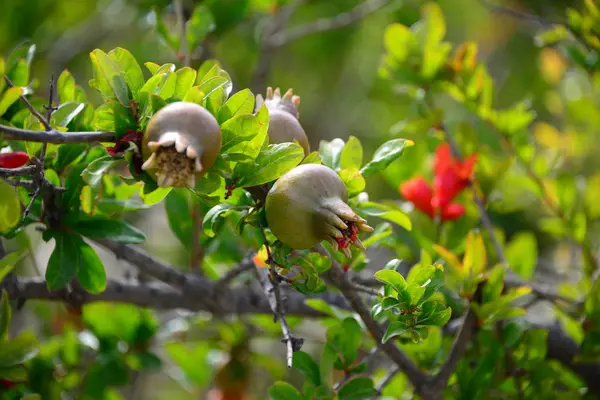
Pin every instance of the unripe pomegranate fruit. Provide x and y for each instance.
(283, 118)
(308, 205)
(182, 141)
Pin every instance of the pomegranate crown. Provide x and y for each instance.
(289, 102)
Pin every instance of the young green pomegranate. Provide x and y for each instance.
(283, 118)
(308, 205)
(181, 142)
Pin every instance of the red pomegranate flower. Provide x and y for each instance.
(418, 192)
(13, 159)
(451, 175)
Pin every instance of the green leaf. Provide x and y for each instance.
(177, 207)
(162, 84)
(352, 154)
(10, 207)
(354, 181)
(385, 155)
(440, 318)
(2, 70)
(331, 152)
(19, 75)
(100, 228)
(65, 87)
(388, 213)
(429, 277)
(514, 119)
(394, 329)
(92, 175)
(245, 134)
(152, 67)
(213, 215)
(129, 69)
(312, 158)
(67, 153)
(18, 350)
(474, 260)
(326, 361)
(5, 316)
(284, 391)
(9, 98)
(305, 364)
(66, 113)
(240, 103)
(357, 389)
(200, 24)
(91, 272)
(399, 41)
(64, 260)
(270, 164)
(522, 254)
(9, 261)
(392, 278)
(192, 359)
(155, 196)
(16, 373)
(186, 77)
(107, 78)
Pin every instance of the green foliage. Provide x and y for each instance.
(408, 304)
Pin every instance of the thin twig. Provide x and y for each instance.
(269, 282)
(35, 112)
(459, 346)
(344, 19)
(183, 47)
(386, 381)
(56, 137)
(49, 110)
(246, 264)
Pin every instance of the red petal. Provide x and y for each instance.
(443, 159)
(452, 212)
(13, 160)
(418, 192)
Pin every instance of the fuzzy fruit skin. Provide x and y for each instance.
(196, 126)
(307, 205)
(284, 127)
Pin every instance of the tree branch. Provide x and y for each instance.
(156, 295)
(21, 171)
(326, 24)
(459, 346)
(147, 264)
(56, 137)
